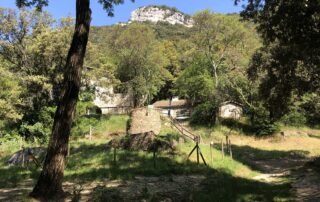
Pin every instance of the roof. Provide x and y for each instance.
(167, 104)
(231, 102)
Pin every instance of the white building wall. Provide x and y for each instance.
(230, 111)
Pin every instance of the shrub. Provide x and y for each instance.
(82, 125)
(262, 125)
(294, 118)
(204, 114)
(311, 107)
(38, 126)
(37, 131)
(267, 129)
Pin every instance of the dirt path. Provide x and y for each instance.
(164, 188)
(305, 181)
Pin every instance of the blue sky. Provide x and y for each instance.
(62, 8)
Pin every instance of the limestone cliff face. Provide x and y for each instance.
(161, 14)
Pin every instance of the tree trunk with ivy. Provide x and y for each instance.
(49, 184)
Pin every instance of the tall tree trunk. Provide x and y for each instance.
(49, 184)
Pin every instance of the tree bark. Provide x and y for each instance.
(49, 183)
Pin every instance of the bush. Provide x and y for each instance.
(38, 126)
(37, 131)
(267, 129)
(262, 125)
(311, 107)
(204, 114)
(294, 118)
(82, 125)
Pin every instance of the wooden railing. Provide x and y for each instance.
(185, 132)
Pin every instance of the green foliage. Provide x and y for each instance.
(262, 124)
(265, 128)
(294, 118)
(195, 83)
(288, 63)
(82, 125)
(32, 56)
(204, 114)
(140, 64)
(100, 125)
(39, 129)
(310, 104)
(10, 98)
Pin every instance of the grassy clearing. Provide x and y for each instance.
(226, 179)
(101, 126)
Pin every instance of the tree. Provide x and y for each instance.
(36, 52)
(49, 184)
(10, 98)
(288, 63)
(222, 46)
(215, 37)
(140, 63)
(195, 83)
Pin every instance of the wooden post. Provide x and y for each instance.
(211, 145)
(21, 143)
(115, 155)
(204, 161)
(222, 149)
(22, 156)
(197, 153)
(154, 158)
(90, 133)
(230, 150)
(227, 142)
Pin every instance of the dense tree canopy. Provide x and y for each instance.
(288, 64)
(220, 59)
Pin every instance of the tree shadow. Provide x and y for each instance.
(236, 125)
(89, 163)
(314, 136)
(217, 186)
(267, 161)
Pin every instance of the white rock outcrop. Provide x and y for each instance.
(161, 14)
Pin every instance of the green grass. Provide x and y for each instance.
(89, 161)
(101, 125)
(226, 179)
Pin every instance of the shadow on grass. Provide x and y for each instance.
(218, 186)
(314, 136)
(236, 125)
(267, 161)
(11, 176)
(88, 163)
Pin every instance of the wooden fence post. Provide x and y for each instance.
(230, 150)
(211, 145)
(90, 133)
(154, 158)
(114, 155)
(227, 142)
(222, 149)
(22, 156)
(197, 153)
(69, 144)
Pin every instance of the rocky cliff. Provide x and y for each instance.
(161, 14)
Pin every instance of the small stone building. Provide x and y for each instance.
(230, 110)
(108, 102)
(144, 120)
(176, 108)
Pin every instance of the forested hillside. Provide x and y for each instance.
(164, 107)
(207, 64)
